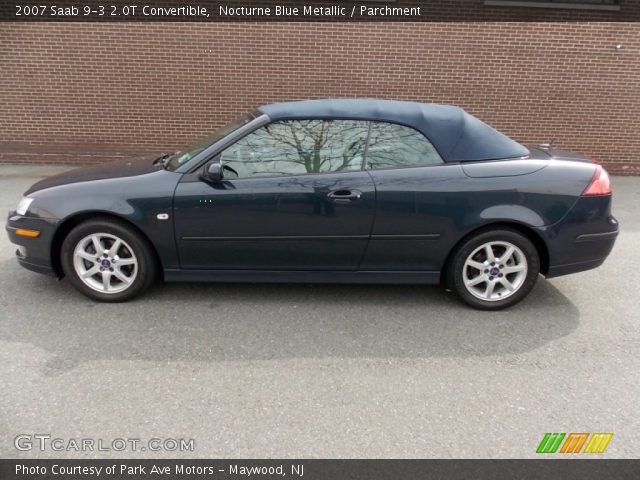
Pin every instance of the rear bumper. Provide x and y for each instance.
(598, 237)
(33, 253)
(583, 239)
(559, 270)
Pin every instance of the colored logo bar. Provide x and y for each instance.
(573, 442)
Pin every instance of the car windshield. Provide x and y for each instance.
(183, 156)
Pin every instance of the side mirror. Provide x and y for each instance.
(212, 172)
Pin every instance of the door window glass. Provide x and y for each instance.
(396, 146)
(298, 147)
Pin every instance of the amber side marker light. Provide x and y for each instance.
(27, 233)
(600, 183)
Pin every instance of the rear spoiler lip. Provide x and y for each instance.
(559, 154)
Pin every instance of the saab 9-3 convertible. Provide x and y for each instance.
(340, 191)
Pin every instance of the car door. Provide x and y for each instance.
(418, 200)
(294, 197)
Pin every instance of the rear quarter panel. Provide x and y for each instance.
(422, 213)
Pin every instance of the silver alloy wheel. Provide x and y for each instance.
(105, 263)
(495, 271)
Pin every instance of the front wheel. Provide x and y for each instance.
(494, 269)
(108, 261)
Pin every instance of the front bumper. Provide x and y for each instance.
(33, 253)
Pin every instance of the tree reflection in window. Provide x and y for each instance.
(396, 146)
(298, 147)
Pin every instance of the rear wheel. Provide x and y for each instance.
(108, 261)
(494, 269)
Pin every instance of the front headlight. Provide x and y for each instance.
(23, 206)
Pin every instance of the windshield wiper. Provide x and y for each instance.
(163, 159)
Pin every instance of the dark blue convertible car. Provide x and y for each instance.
(342, 191)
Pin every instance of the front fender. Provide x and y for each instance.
(138, 200)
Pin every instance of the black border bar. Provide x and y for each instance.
(312, 10)
(548, 469)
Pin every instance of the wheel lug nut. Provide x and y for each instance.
(501, 266)
(486, 271)
(493, 264)
(490, 278)
(500, 275)
(111, 269)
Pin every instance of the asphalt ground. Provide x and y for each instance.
(300, 371)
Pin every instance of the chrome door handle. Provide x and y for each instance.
(344, 196)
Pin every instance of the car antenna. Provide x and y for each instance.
(549, 144)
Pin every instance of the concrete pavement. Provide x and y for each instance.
(322, 370)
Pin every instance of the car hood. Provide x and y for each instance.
(119, 169)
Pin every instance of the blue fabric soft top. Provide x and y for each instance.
(457, 135)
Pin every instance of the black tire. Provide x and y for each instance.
(134, 243)
(456, 269)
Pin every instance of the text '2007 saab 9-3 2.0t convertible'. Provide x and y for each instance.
(341, 191)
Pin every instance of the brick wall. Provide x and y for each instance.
(80, 92)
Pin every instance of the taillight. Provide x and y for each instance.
(600, 183)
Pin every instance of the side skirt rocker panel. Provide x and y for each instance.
(276, 276)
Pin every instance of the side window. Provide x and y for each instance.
(397, 146)
(298, 147)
